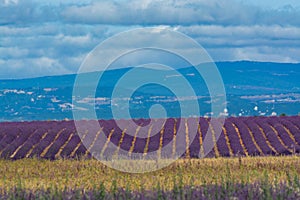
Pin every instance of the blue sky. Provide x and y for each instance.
(39, 38)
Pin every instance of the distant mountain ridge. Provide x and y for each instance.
(284, 77)
(252, 88)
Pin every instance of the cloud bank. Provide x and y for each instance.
(39, 38)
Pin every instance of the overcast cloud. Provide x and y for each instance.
(39, 38)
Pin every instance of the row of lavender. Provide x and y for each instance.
(246, 136)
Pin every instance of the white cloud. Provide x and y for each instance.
(82, 40)
(42, 38)
(31, 67)
(251, 31)
(262, 54)
(13, 52)
(144, 12)
(9, 2)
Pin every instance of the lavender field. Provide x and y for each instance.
(242, 136)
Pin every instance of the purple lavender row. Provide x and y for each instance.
(18, 141)
(30, 143)
(295, 120)
(292, 128)
(32, 138)
(222, 145)
(10, 135)
(245, 135)
(47, 140)
(286, 138)
(194, 148)
(272, 136)
(233, 138)
(204, 129)
(258, 136)
(168, 137)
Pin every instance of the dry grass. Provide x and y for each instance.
(41, 174)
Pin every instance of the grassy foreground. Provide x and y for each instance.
(34, 175)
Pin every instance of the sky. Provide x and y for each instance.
(39, 38)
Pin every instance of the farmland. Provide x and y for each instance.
(244, 136)
(253, 157)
